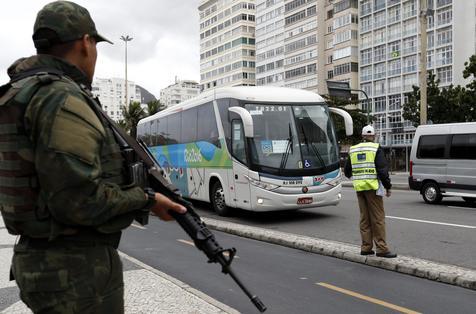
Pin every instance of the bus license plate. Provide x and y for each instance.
(304, 200)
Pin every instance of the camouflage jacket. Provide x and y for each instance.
(69, 141)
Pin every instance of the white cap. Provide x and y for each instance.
(368, 130)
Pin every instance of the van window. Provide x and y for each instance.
(463, 146)
(432, 146)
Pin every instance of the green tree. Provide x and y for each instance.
(154, 106)
(132, 114)
(445, 105)
(359, 119)
(122, 124)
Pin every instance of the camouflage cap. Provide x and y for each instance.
(68, 20)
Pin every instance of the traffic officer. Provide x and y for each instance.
(64, 187)
(368, 168)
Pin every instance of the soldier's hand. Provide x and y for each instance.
(163, 204)
(388, 193)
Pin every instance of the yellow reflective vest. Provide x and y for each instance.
(364, 173)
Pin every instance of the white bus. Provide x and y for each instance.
(254, 148)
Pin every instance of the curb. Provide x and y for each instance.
(449, 274)
(395, 186)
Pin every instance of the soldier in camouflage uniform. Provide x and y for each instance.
(63, 183)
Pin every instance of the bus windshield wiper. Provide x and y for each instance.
(289, 149)
(314, 149)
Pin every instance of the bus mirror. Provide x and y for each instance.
(245, 118)
(349, 125)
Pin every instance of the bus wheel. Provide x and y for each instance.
(431, 193)
(217, 197)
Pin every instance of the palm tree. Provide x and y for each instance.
(154, 106)
(132, 115)
(122, 124)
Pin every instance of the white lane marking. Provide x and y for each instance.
(193, 244)
(138, 226)
(432, 222)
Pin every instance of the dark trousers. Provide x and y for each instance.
(372, 221)
(69, 278)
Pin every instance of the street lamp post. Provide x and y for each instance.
(126, 39)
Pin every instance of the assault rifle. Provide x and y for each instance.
(146, 172)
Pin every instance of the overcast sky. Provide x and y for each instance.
(166, 38)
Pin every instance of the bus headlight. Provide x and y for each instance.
(263, 185)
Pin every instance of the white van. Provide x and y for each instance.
(443, 161)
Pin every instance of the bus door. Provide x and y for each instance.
(240, 169)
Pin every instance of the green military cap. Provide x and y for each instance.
(67, 21)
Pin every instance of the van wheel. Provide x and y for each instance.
(217, 197)
(431, 193)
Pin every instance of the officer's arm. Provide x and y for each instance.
(68, 138)
(382, 169)
(348, 168)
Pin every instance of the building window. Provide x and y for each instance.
(394, 102)
(445, 16)
(366, 56)
(380, 104)
(379, 53)
(379, 70)
(445, 75)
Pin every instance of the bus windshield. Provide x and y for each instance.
(293, 137)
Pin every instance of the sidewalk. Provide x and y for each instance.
(147, 290)
(399, 181)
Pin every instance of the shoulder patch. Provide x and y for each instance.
(80, 108)
(77, 131)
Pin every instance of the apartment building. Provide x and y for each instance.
(389, 56)
(112, 93)
(341, 40)
(178, 92)
(227, 43)
(270, 42)
(303, 43)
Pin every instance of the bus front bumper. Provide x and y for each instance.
(264, 200)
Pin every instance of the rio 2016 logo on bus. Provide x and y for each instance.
(192, 155)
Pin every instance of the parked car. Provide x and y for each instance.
(443, 161)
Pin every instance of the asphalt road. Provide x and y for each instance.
(291, 281)
(443, 233)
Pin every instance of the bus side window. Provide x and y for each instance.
(174, 128)
(162, 131)
(189, 125)
(207, 126)
(238, 141)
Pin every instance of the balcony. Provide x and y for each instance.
(409, 50)
(380, 23)
(409, 69)
(365, 28)
(364, 78)
(393, 19)
(379, 75)
(394, 72)
(409, 14)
